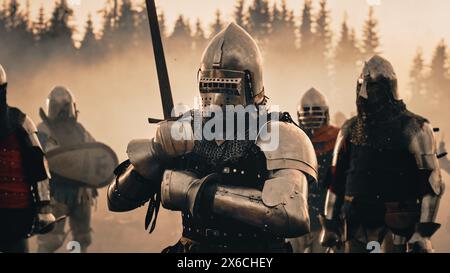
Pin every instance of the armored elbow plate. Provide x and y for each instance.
(287, 147)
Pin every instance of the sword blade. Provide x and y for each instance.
(160, 60)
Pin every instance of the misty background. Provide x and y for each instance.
(108, 65)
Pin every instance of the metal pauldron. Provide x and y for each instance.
(294, 149)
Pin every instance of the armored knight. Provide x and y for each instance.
(24, 186)
(314, 118)
(59, 129)
(235, 195)
(386, 175)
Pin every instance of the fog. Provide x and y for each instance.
(115, 98)
(117, 93)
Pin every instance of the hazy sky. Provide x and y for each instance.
(404, 24)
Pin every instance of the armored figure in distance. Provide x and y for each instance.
(234, 195)
(59, 129)
(386, 174)
(24, 185)
(314, 118)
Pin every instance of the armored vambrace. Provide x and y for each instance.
(139, 178)
(280, 208)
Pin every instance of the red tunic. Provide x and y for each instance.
(15, 190)
(324, 139)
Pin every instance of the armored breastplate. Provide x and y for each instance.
(382, 166)
(387, 174)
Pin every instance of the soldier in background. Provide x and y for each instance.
(386, 175)
(60, 128)
(24, 185)
(314, 118)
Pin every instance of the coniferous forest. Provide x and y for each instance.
(308, 41)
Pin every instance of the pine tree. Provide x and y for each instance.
(18, 24)
(323, 32)
(278, 21)
(40, 26)
(181, 35)
(282, 37)
(306, 34)
(322, 39)
(110, 17)
(346, 57)
(417, 76)
(59, 34)
(290, 28)
(438, 80)
(126, 31)
(218, 24)
(13, 15)
(3, 18)
(371, 40)
(90, 45)
(162, 24)
(347, 52)
(239, 16)
(199, 36)
(259, 19)
(127, 20)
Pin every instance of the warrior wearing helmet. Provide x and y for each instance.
(234, 195)
(59, 129)
(314, 118)
(386, 175)
(24, 185)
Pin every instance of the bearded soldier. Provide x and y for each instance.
(386, 174)
(60, 129)
(314, 118)
(24, 186)
(235, 195)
